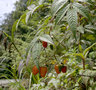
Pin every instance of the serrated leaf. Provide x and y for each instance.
(82, 10)
(33, 8)
(61, 13)
(57, 5)
(46, 38)
(31, 46)
(36, 53)
(72, 20)
(80, 29)
(90, 27)
(89, 31)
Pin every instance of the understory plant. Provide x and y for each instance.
(65, 36)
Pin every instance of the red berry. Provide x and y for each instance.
(57, 69)
(44, 44)
(64, 69)
(35, 70)
(43, 71)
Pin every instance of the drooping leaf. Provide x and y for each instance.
(32, 8)
(7, 35)
(31, 46)
(87, 49)
(36, 50)
(72, 20)
(57, 5)
(61, 13)
(82, 10)
(28, 58)
(27, 16)
(80, 55)
(46, 38)
(21, 64)
(16, 23)
(14, 28)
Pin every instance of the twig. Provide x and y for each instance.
(17, 50)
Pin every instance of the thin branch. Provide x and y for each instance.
(17, 50)
(58, 41)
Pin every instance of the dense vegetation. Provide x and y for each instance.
(51, 44)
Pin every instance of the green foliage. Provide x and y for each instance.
(72, 20)
(36, 53)
(41, 22)
(46, 38)
(82, 10)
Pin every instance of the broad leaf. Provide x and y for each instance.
(46, 38)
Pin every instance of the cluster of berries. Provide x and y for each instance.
(60, 68)
(43, 71)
